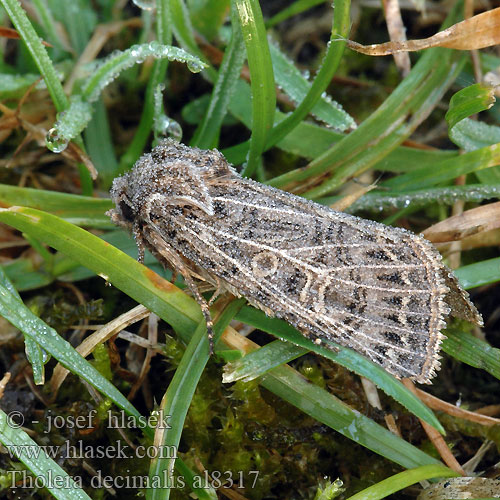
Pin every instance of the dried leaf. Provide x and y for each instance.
(471, 222)
(476, 32)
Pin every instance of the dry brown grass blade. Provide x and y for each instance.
(397, 33)
(438, 404)
(11, 33)
(436, 438)
(90, 343)
(476, 32)
(457, 227)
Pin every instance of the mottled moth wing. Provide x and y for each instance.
(380, 290)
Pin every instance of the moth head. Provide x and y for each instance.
(172, 174)
(125, 212)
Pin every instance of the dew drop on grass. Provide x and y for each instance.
(145, 4)
(54, 142)
(194, 66)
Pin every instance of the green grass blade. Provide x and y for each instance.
(46, 337)
(479, 273)
(469, 101)
(206, 136)
(299, 89)
(447, 170)
(42, 467)
(100, 145)
(179, 395)
(258, 362)
(38, 52)
(473, 351)
(296, 8)
(311, 99)
(262, 78)
(71, 207)
(402, 480)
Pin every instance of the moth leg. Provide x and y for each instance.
(136, 231)
(218, 291)
(205, 308)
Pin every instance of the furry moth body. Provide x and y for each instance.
(379, 290)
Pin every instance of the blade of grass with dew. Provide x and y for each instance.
(89, 212)
(344, 356)
(447, 170)
(179, 396)
(377, 202)
(311, 96)
(414, 98)
(402, 480)
(163, 36)
(472, 351)
(262, 79)
(37, 358)
(38, 52)
(183, 28)
(14, 311)
(206, 135)
(34, 352)
(42, 467)
(80, 110)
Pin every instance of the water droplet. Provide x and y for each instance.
(54, 142)
(154, 46)
(145, 4)
(194, 66)
(171, 129)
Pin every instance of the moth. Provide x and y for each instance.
(382, 291)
